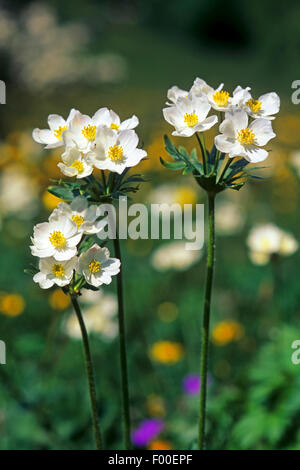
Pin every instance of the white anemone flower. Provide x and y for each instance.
(189, 115)
(82, 214)
(55, 272)
(53, 137)
(107, 117)
(97, 267)
(74, 163)
(174, 93)
(115, 151)
(264, 107)
(237, 138)
(58, 238)
(218, 98)
(83, 130)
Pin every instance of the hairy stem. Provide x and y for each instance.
(123, 355)
(89, 372)
(206, 318)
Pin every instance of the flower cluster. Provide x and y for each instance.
(188, 112)
(101, 141)
(57, 244)
(267, 240)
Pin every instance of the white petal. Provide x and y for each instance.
(270, 103)
(263, 131)
(255, 154)
(55, 121)
(130, 123)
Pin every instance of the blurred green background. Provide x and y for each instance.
(125, 55)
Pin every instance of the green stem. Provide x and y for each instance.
(227, 165)
(89, 372)
(123, 355)
(203, 150)
(206, 317)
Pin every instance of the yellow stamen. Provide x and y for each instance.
(115, 153)
(114, 126)
(246, 136)
(191, 119)
(94, 266)
(221, 98)
(89, 132)
(57, 239)
(78, 165)
(58, 270)
(58, 132)
(78, 220)
(254, 105)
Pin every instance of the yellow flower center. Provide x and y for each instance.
(58, 270)
(191, 119)
(221, 98)
(265, 243)
(115, 153)
(114, 126)
(246, 136)
(89, 132)
(78, 165)
(94, 266)
(78, 220)
(254, 105)
(58, 132)
(57, 239)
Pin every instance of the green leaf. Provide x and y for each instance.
(62, 193)
(173, 165)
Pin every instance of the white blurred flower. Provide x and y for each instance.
(230, 218)
(97, 267)
(189, 115)
(54, 272)
(82, 214)
(107, 117)
(18, 192)
(237, 139)
(115, 151)
(174, 256)
(58, 238)
(173, 193)
(266, 240)
(53, 137)
(99, 311)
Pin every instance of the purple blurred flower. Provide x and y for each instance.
(191, 384)
(147, 431)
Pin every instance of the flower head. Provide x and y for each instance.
(107, 117)
(226, 332)
(97, 267)
(11, 304)
(191, 384)
(115, 151)
(57, 238)
(53, 137)
(238, 138)
(263, 107)
(74, 162)
(84, 216)
(54, 272)
(189, 115)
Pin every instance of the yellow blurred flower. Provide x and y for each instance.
(287, 128)
(159, 444)
(167, 352)
(155, 405)
(59, 300)
(227, 331)
(11, 304)
(50, 201)
(167, 311)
